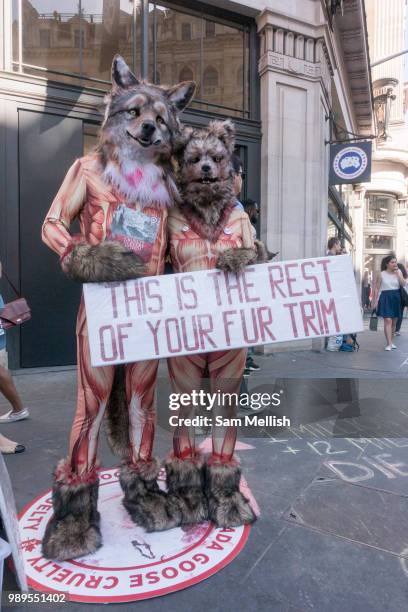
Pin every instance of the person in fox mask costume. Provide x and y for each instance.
(121, 194)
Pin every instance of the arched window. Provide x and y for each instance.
(381, 209)
(210, 79)
(186, 74)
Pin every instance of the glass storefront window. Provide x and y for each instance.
(224, 67)
(14, 31)
(175, 45)
(346, 195)
(73, 38)
(107, 28)
(331, 229)
(380, 209)
(50, 38)
(376, 241)
(334, 209)
(215, 55)
(339, 223)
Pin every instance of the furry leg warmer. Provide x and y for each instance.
(226, 504)
(147, 505)
(185, 488)
(73, 531)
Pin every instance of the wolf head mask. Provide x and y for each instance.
(140, 119)
(205, 173)
(139, 134)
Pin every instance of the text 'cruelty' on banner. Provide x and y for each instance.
(210, 310)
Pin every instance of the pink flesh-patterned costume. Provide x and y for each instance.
(100, 209)
(84, 194)
(120, 194)
(208, 231)
(190, 252)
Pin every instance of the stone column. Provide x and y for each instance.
(295, 75)
(357, 213)
(295, 89)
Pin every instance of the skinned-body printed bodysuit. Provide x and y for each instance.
(208, 231)
(120, 194)
(100, 209)
(190, 252)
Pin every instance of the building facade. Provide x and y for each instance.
(292, 76)
(383, 201)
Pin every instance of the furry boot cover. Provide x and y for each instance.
(107, 262)
(147, 505)
(185, 488)
(73, 531)
(226, 504)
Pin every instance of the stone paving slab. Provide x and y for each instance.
(285, 566)
(319, 572)
(353, 512)
(384, 469)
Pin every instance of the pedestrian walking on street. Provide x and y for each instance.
(400, 318)
(8, 389)
(366, 289)
(387, 301)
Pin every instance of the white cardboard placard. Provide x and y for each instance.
(210, 310)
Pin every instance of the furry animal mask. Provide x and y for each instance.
(139, 132)
(206, 176)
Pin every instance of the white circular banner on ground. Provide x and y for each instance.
(131, 564)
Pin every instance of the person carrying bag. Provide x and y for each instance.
(374, 321)
(15, 312)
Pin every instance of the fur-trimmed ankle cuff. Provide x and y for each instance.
(227, 506)
(63, 474)
(222, 478)
(182, 473)
(147, 505)
(216, 459)
(147, 470)
(73, 530)
(185, 489)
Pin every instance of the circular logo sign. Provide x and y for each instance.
(350, 163)
(131, 564)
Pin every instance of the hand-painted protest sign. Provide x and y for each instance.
(210, 310)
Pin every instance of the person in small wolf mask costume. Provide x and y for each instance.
(121, 194)
(207, 230)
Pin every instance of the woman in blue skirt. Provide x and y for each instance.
(387, 302)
